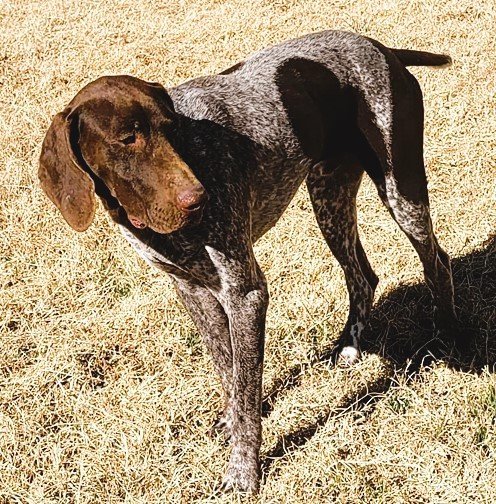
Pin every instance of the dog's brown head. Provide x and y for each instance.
(115, 131)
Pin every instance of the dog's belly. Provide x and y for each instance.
(275, 185)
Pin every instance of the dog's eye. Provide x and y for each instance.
(131, 137)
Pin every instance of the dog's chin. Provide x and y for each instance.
(188, 221)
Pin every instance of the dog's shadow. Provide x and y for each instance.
(400, 330)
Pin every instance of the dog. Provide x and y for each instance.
(194, 175)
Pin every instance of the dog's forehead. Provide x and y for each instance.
(111, 114)
(114, 84)
(123, 93)
(113, 103)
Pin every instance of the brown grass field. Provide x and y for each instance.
(106, 391)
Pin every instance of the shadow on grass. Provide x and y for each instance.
(400, 330)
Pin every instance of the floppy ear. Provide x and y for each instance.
(311, 95)
(161, 94)
(69, 187)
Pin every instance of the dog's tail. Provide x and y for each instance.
(422, 58)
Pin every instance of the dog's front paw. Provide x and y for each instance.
(243, 474)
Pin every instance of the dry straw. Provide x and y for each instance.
(106, 392)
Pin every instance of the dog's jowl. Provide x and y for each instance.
(196, 174)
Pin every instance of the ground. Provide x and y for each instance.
(106, 391)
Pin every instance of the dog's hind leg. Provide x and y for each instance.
(333, 185)
(413, 218)
(395, 162)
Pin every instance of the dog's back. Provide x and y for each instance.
(248, 99)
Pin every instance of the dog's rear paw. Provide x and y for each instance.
(451, 332)
(347, 356)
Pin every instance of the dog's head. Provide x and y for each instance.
(114, 132)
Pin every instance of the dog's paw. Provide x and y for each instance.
(452, 333)
(344, 353)
(347, 356)
(242, 475)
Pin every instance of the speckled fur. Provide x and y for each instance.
(236, 134)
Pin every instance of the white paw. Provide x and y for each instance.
(348, 356)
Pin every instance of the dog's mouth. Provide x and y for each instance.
(136, 222)
(191, 217)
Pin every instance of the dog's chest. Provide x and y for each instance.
(150, 255)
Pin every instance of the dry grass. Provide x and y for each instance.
(106, 393)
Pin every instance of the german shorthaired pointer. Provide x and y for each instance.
(195, 175)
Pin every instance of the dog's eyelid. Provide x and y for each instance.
(131, 126)
(128, 139)
(128, 135)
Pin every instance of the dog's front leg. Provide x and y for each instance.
(212, 323)
(246, 311)
(245, 298)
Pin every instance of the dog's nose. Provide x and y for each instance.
(192, 200)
